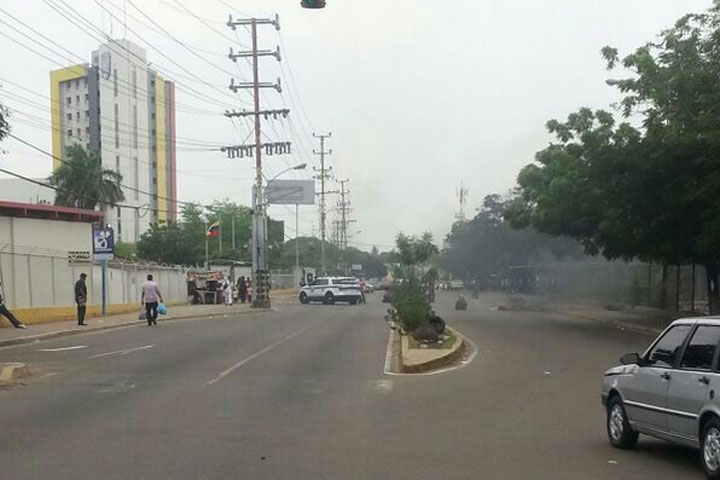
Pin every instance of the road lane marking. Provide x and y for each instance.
(464, 362)
(388, 352)
(62, 349)
(122, 352)
(381, 386)
(255, 355)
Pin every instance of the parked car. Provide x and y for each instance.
(669, 391)
(332, 289)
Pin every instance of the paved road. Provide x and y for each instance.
(300, 394)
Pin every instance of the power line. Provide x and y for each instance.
(57, 104)
(158, 50)
(126, 85)
(101, 37)
(65, 162)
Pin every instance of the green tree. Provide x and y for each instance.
(83, 182)
(646, 192)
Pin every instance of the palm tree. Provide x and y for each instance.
(83, 182)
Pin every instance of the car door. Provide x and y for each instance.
(645, 392)
(691, 383)
(318, 288)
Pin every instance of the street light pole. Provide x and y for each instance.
(300, 166)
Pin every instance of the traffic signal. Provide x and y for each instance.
(313, 3)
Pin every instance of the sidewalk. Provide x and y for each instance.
(639, 319)
(42, 331)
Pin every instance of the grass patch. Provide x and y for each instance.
(445, 343)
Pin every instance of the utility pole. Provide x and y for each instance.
(343, 206)
(322, 176)
(260, 273)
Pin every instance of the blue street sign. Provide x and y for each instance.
(103, 240)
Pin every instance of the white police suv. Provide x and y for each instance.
(332, 289)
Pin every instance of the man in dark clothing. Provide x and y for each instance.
(81, 298)
(242, 286)
(8, 314)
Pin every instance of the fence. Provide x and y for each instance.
(34, 277)
(672, 287)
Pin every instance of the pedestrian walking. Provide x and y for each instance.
(81, 299)
(228, 291)
(242, 286)
(150, 297)
(8, 314)
(248, 291)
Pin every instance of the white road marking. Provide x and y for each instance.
(62, 349)
(381, 386)
(255, 355)
(463, 363)
(388, 352)
(122, 352)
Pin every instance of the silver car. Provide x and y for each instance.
(669, 392)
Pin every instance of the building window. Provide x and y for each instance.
(79, 133)
(115, 82)
(117, 126)
(77, 99)
(152, 115)
(69, 100)
(86, 83)
(69, 116)
(154, 180)
(134, 83)
(87, 130)
(69, 132)
(87, 114)
(87, 97)
(136, 176)
(77, 116)
(135, 127)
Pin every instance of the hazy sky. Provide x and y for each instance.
(420, 95)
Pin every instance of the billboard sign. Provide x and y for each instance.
(103, 243)
(291, 192)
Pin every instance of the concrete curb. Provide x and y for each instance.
(633, 327)
(78, 331)
(10, 372)
(436, 363)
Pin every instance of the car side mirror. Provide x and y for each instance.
(302, 284)
(630, 359)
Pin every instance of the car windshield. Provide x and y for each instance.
(344, 239)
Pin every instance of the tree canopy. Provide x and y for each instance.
(645, 191)
(83, 182)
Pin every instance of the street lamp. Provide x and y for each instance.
(299, 166)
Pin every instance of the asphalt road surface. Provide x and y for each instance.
(300, 393)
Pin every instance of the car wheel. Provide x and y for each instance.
(710, 448)
(329, 298)
(304, 298)
(619, 431)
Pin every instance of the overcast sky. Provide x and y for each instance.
(420, 95)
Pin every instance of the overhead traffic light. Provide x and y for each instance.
(313, 3)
